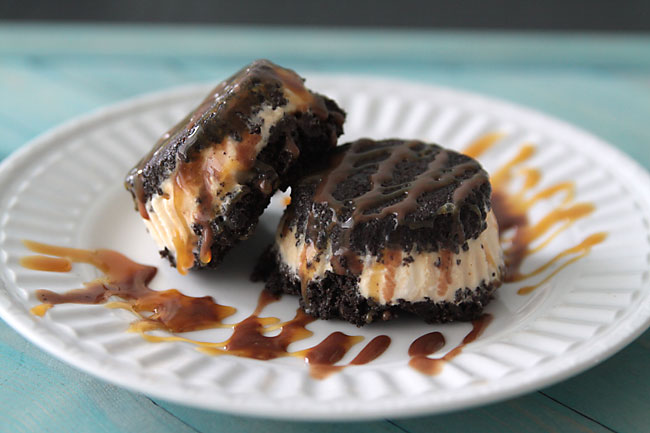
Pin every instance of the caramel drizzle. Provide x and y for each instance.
(371, 351)
(173, 312)
(432, 342)
(392, 259)
(511, 210)
(46, 263)
(433, 178)
(128, 280)
(437, 175)
(197, 177)
(479, 146)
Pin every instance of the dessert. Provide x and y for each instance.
(204, 184)
(386, 226)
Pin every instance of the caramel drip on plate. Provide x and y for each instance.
(482, 144)
(427, 344)
(46, 263)
(580, 251)
(331, 349)
(431, 343)
(371, 351)
(127, 280)
(518, 233)
(172, 312)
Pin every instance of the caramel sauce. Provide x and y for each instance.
(436, 175)
(248, 339)
(307, 268)
(286, 201)
(580, 251)
(392, 260)
(431, 343)
(169, 310)
(479, 146)
(446, 262)
(46, 263)
(427, 344)
(331, 349)
(176, 313)
(139, 195)
(371, 351)
(512, 209)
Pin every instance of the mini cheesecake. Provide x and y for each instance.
(203, 186)
(388, 226)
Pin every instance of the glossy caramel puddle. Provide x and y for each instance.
(172, 312)
(123, 278)
(432, 342)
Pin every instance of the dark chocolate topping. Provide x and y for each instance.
(391, 194)
(229, 110)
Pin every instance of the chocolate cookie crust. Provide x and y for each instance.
(337, 297)
(392, 194)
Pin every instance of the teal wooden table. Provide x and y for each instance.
(49, 74)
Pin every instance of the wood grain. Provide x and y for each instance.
(40, 393)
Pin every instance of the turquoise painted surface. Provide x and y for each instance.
(50, 74)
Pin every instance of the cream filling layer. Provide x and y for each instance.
(173, 213)
(433, 275)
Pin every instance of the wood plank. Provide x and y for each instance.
(616, 392)
(421, 47)
(115, 80)
(40, 393)
(207, 421)
(531, 413)
(34, 101)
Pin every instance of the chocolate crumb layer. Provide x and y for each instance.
(337, 296)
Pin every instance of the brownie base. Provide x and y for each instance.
(337, 296)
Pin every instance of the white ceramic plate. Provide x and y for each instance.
(66, 188)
